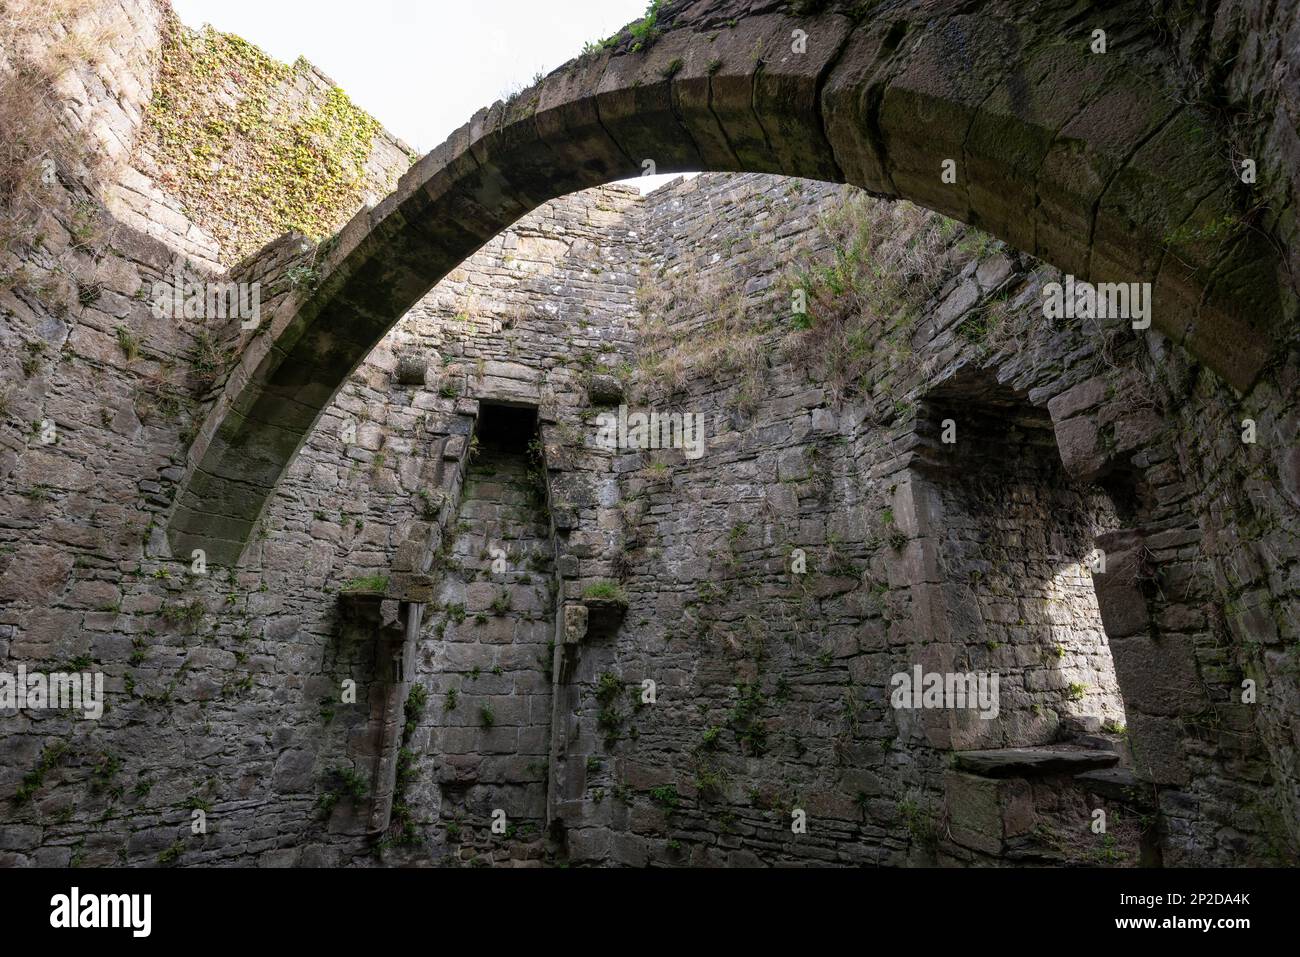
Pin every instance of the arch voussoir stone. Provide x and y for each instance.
(1032, 177)
(850, 101)
(947, 100)
(1084, 161)
(635, 104)
(1089, 162)
(786, 95)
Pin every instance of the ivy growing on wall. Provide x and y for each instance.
(247, 156)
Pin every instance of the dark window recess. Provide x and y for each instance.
(506, 428)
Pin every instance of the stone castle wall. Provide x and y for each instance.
(771, 691)
(164, 635)
(776, 686)
(111, 95)
(227, 690)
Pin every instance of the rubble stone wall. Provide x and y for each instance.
(826, 539)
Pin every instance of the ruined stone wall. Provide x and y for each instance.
(1237, 60)
(100, 401)
(235, 149)
(517, 323)
(761, 704)
(1022, 535)
(117, 100)
(773, 690)
(1245, 498)
(105, 88)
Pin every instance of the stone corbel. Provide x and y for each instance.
(604, 615)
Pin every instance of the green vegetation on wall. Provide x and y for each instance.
(269, 163)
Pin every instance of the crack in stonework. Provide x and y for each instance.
(1011, 38)
(1166, 252)
(875, 96)
(672, 105)
(1087, 104)
(753, 107)
(632, 164)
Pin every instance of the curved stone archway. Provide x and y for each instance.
(1087, 160)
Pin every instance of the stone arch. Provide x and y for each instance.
(1088, 161)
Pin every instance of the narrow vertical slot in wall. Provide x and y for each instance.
(487, 646)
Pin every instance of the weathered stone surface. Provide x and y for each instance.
(1120, 784)
(575, 624)
(916, 551)
(605, 390)
(1158, 675)
(1028, 762)
(411, 370)
(1131, 208)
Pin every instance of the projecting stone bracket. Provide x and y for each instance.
(1032, 762)
(412, 369)
(995, 799)
(604, 390)
(576, 619)
(573, 625)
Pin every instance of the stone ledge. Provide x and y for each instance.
(1119, 784)
(1032, 762)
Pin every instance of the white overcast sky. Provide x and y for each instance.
(421, 67)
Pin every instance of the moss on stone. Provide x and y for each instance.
(234, 145)
(605, 591)
(371, 583)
